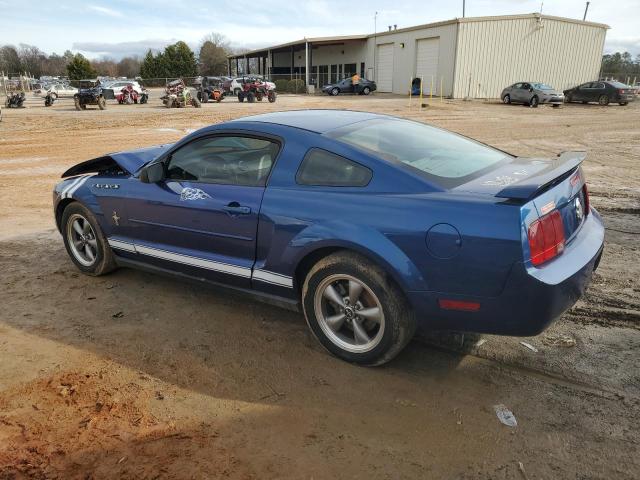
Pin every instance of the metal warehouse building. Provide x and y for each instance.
(464, 57)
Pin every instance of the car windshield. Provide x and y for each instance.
(542, 86)
(443, 157)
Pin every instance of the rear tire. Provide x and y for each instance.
(382, 333)
(622, 104)
(102, 103)
(241, 97)
(603, 100)
(251, 97)
(271, 96)
(103, 262)
(76, 102)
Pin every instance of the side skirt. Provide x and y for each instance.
(274, 300)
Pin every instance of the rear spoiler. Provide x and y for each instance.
(557, 170)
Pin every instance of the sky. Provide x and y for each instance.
(100, 28)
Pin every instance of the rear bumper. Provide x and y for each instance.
(532, 298)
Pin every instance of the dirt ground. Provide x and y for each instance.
(137, 376)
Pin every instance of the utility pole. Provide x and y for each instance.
(375, 46)
(463, 7)
(586, 9)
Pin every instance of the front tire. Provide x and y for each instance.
(102, 103)
(335, 91)
(506, 99)
(534, 102)
(355, 311)
(271, 96)
(366, 91)
(76, 102)
(85, 242)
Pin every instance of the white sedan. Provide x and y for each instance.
(58, 90)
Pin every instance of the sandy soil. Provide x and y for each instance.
(137, 376)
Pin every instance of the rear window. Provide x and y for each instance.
(443, 157)
(618, 85)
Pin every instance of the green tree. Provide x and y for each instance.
(9, 60)
(79, 67)
(178, 60)
(212, 59)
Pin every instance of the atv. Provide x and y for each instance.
(15, 100)
(89, 93)
(210, 88)
(49, 99)
(256, 90)
(129, 95)
(178, 95)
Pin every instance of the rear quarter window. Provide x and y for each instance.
(323, 168)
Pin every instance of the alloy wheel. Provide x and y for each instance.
(82, 240)
(349, 313)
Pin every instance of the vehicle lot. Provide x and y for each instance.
(137, 376)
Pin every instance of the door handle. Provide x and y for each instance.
(237, 209)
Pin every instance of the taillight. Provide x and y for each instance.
(585, 194)
(546, 238)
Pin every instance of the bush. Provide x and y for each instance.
(296, 86)
(281, 85)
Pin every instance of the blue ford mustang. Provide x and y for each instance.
(372, 225)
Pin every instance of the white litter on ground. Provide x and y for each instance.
(529, 346)
(505, 415)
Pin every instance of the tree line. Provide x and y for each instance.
(176, 60)
(621, 65)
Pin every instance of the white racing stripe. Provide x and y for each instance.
(260, 275)
(120, 245)
(274, 278)
(194, 261)
(70, 186)
(73, 189)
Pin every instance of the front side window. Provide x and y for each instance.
(322, 168)
(445, 158)
(228, 160)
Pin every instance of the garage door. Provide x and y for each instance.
(385, 68)
(427, 54)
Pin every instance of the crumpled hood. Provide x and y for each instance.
(131, 161)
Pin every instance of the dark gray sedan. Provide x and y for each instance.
(532, 94)
(365, 87)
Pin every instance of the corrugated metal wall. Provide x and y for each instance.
(493, 54)
(405, 44)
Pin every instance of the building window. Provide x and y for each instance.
(350, 69)
(362, 70)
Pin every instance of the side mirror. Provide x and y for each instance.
(531, 89)
(153, 173)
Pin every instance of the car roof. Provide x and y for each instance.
(319, 121)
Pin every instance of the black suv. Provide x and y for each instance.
(89, 93)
